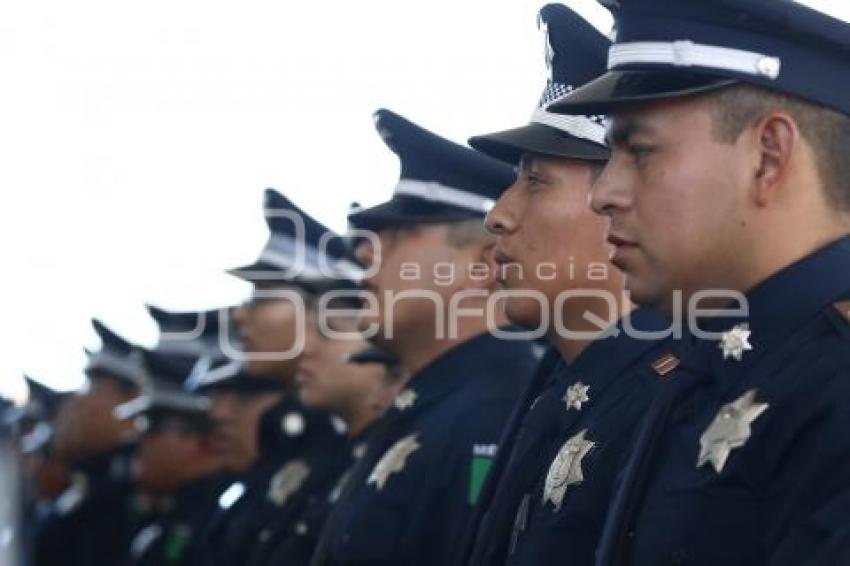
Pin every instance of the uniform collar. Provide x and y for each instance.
(778, 306)
(114, 465)
(196, 492)
(357, 443)
(458, 367)
(607, 358)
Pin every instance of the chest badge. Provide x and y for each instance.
(405, 400)
(287, 481)
(566, 469)
(393, 461)
(293, 424)
(730, 429)
(735, 342)
(577, 395)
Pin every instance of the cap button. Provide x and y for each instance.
(769, 67)
(293, 424)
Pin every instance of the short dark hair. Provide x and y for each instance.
(827, 131)
(466, 232)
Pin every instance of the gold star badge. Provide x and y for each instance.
(730, 429)
(405, 399)
(393, 461)
(735, 342)
(576, 396)
(287, 481)
(566, 469)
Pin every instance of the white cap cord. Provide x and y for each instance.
(690, 54)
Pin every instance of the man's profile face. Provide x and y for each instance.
(327, 380)
(269, 325)
(676, 198)
(237, 421)
(548, 238)
(422, 269)
(86, 424)
(162, 458)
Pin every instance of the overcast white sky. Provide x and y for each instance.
(137, 138)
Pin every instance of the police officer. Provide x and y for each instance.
(729, 173)
(12, 549)
(552, 486)
(410, 497)
(238, 401)
(90, 522)
(47, 474)
(244, 428)
(301, 449)
(176, 465)
(355, 381)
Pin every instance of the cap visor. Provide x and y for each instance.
(373, 355)
(258, 272)
(401, 211)
(615, 89)
(241, 383)
(511, 145)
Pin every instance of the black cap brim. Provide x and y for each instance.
(619, 88)
(256, 271)
(374, 355)
(511, 145)
(403, 211)
(248, 385)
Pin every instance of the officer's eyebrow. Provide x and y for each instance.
(622, 129)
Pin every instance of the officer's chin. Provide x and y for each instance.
(523, 312)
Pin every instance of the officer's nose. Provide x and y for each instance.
(612, 191)
(311, 338)
(504, 217)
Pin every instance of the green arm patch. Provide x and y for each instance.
(477, 474)
(175, 545)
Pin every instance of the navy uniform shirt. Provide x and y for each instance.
(550, 502)
(408, 501)
(92, 520)
(170, 536)
(299, 448)
(293, 539)
(743, 457)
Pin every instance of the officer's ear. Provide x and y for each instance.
(779, 142)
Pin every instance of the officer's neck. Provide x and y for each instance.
(424, 348)
(359, 420)
(578, 318)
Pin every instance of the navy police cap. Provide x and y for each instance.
(440, 181)
(191, 333)
(42, 401)
(221, 374)
(576, 53)
(117, 358)
(165, 395)
(183, 338)
(301, 251)
(669, 48)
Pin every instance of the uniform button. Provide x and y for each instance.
(301, 528)
(679, 558)
(265, 534)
